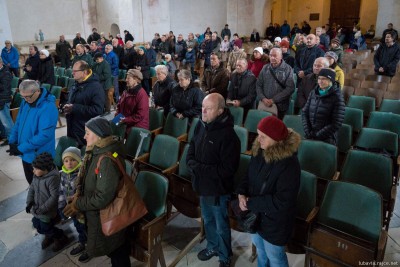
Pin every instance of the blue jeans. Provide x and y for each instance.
(80, 227)
(6, 120)
(216, 224)
(269, 255)
(47, 229)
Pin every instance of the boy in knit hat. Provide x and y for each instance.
(42, 201)
(338, 50)
(72, 160)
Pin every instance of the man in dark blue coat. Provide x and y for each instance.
(387, 56)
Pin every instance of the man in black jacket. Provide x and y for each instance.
(31, 67)
(94, 36)
(85, 101)
(387, 56)
(128, 36)
(6, 122)
(64, 50)
(213, 158)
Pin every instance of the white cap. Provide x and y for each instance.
(259, 49)
(45, 52)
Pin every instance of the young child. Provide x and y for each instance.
(338, 49)
(71, 158)
(42, 201)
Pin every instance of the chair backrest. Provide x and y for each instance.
(16, 101)
(347, 92)
(354, 83)
(192, 128)
(156, 119)
(390, 105)
(242, 169)
(237, 113)
(377, 140)
(62, 81)
(394, 87)
(183, 169)
(371, 92)
(68, 73)
(56, 91)
(175, 127)
(133, 140)
(118, 130)
(243, 135)
(122, 74)
(295, 122)
(153, 189)
(60, 71)
(378, 78)
(374, 84)
(152, 72)
(63, 144)
(392, 95)
(318, 158)
(369, 169)
(354, 118)
(365, 103)
(14, 82)
(345, 139)
(307, 197)
(164, 151)
(340, 203)
(384, 121)
(253, 118)
(46, 86)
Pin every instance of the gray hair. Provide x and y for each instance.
(168, 56)
(324, 61)
(185, 74)
(29, 85)
(109, 46)
(244, 61)
(162, 68)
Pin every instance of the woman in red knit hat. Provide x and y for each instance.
(270, 189)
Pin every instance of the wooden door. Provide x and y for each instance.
(345, 12)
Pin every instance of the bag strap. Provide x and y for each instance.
(114, 159)
(276, 79)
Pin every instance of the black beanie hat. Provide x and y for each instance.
(328, 73)
(44, 162)
(100, 126)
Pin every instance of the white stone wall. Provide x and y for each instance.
(5, 27)
(388, 11)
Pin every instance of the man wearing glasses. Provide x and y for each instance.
(34, 130)
(85, 101)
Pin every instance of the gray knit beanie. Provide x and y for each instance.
(100, 126)
(72, 152)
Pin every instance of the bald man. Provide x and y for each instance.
(213, 158)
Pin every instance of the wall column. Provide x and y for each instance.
(388, 11)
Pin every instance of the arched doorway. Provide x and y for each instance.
(114, 29)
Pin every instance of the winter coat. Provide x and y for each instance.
(129, 37)
(339, 52)
(35, 127)
(213, 156)
(243, 87)
(67, 186)
(10, 57)
(323, 115)
(103, 70)
(188, 102)
(226, 32)
(163, 47)
(129, 58)
(88, 102)
(288, 59)
(46, 71)
(305, 58)
(98, 193)
(162, 93)
(324, 40)
(85, 57)
(233, 57)
(134, 106)
(255, 37)
(285, 30)
(256, 65)
(216, 80)
(279, 167)
(190, 57)
(63, 49)
(5, 86)
(171, 68)
(155, 43)
(387, 58)
(268, 88)
(43, 194)
(119, 51)
(142, 62)
(151, 57)
(113, 60)
(34, 62)
(304, 89)
(93, 37)
(180, 50)
(77, 41)
(339, 77)
(207, 48)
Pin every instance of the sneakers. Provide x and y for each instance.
(47, 242)
(84, 257)
(60, 243)
(224, 263)
(77, 250)
(206, 254)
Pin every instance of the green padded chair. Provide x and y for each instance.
(133, 140)
(385, 121)
(14, 82)
(242, 169)
(62, 81)
(60, 71)
(344, 138)
(192, 128)
(348, 228)
(237, 113)
(152, 72)
(70, 83)
(46, 86)
(354, 118)
(146, 243)
(156, 121)
(55, 69)
(56, 91)
(294, 122)
(377, 140)
(122, 75)
(176, 127)
(68, 73)
(16, 100)
(374, 171)
(390, 105)
(118, 130)
(163, 156)
(56, 77)
(253, 118)
(243, 135)
(365, 103)
(63, 144)
(305, 210)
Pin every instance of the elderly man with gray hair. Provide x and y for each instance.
(34, 130)
(162, 88)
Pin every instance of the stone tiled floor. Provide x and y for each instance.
(20, 246)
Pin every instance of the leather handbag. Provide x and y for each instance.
(126, 208)
(247, 220)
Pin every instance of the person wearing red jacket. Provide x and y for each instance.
(257, 61)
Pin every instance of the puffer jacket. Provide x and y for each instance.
(43, 192)
(5, 86)
(304, 89)
(323, 115)
(188, 102)
(162, 93)
(279, 167)
(35, 127)
(113, 60)
(213, 156)
(97, 191)
(216, 80)
(46, 71)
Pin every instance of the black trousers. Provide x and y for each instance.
(28, 170)
(120, 256)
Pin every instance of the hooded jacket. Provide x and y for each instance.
(46, 71)
(113, 60)
(35, 127)
(279, 167)
(323, 115)
(213, 156)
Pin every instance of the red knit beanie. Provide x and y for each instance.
(274, 128)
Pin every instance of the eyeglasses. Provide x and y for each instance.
(28, 96)
(75, 71)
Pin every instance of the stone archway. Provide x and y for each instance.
(114, 30)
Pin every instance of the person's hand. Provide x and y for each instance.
(179, 115)
(71, 210)
(14, 151)
(381, 69)
(242, 202)
(267, 102)
(29, 207)
(28, 68)
(236, 103)
(68, 108)
(301, 74)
